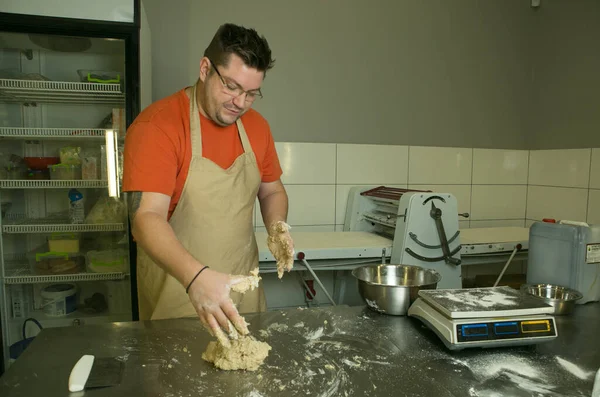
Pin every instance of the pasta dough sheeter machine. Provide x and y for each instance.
(484, 317)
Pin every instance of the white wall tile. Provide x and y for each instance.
(308, 205)
(563, 168)
(500, 167)
(341, 199)
(437, 165)
(498, 223)
(595, 177)
(498, 202)
(372, 164)
(307, 163)
(461, 192)
(556, 202)
(593, 216)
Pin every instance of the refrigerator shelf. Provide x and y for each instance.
(46, 184)
(12, 90)
(65, 321)
(22, 275)
(18, 271)
(17, 224)
(53, 133)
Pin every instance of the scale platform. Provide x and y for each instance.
(485, 317)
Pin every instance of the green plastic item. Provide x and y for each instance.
(40, 256)
(92, 78)
(117, 262)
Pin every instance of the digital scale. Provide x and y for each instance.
(485, 317)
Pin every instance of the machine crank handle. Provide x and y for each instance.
(447, 259)
(464, 215)
(436, 214)
(452, 260)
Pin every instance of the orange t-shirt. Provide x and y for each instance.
(158, 147)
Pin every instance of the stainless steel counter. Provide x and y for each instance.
(341, 351)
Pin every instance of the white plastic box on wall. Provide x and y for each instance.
(105, 10)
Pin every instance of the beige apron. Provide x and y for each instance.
(213, 221)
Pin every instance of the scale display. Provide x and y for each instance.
(485, 317)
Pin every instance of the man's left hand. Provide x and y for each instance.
(281, 245)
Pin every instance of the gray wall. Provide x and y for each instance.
(566, 88)
(470, 73)
(169, 23)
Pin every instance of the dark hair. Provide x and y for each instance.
(246, 43)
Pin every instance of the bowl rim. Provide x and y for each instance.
(576, 294)
(434, 272)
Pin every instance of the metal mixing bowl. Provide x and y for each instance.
(563, 299)
(391, 289)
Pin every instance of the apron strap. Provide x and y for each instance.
(243, 136)
(196, 134)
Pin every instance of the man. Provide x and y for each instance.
(194, 164)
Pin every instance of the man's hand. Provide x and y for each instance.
(281, 245)
(274, 207)
(209, 294)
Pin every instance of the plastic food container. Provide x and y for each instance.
(48, 263)
(62, 172)
(89, 168)
(70, 155)
(59, 299)
(40, 163)
(109, 261)
(63, 242)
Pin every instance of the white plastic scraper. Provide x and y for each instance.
(92, 372)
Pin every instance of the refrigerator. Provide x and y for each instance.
(73, 76)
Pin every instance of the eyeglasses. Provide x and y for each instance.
(234, 90)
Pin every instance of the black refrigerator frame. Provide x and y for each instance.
(130, 34)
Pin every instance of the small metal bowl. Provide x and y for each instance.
(563, 299)
(391, 289)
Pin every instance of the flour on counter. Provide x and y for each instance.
(489, 366)
(277, 327)
(351, 363)
(316, 334)
(574, 369)
(531, 385)
(299, 325)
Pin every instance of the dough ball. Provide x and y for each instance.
(245, 353)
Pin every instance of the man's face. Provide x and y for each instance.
(229, 91)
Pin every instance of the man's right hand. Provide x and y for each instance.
(209, 294)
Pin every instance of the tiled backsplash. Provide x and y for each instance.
(496, 187)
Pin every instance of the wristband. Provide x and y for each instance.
(195, 277)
